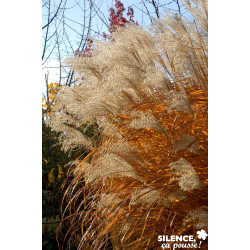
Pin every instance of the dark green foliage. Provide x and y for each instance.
(52, 165)
(54, 174)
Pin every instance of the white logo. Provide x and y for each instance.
(202, 234)
(182, 241)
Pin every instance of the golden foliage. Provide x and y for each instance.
(52, 90)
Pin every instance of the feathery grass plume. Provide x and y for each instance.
(147, 174)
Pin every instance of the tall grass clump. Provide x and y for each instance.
(146, 174)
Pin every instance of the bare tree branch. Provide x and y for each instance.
(51, 20)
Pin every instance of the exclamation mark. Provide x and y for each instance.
(200, 245)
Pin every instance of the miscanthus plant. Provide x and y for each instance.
(146, 175)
